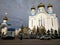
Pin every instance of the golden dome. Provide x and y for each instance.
(49, 5)
(32, 7)
(5, 18)
(41, 5)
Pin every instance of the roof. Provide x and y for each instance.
(4, 25)
(5, 18)
(41, 5)
(32, 7)
(11, 29)
(9, 24)
(49, 5)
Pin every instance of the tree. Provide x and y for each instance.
(0, 31)
(21, 32)
(34, 30)
(37, 31)
(33, 33)
(22, 27)
(51, 31)
(58, 31)
(55, 32)
(25, 30)
(48, 32)
(20, 35)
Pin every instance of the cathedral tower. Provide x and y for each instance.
(33, 10)
(5, 19)
(50, 10)
(41, 8)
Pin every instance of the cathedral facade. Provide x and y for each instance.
(42, 18)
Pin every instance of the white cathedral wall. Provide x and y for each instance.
(4, 30)
(56, 24)
(46, 21)
(46, 24)
(31, 22)
(35, 22)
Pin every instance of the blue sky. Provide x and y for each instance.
(19, 10)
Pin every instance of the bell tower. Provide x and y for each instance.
(33, 10)
(41, 8)
(49, 9)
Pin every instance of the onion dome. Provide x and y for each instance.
(41, 5)
(49, 5)
(5, 18)
(32, 7)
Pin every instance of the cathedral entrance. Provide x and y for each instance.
(42, 30)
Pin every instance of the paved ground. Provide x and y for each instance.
(30, 42)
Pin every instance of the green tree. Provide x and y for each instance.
(52, 31)
(55, 32)
(34, 30)
(38, 33)
(25, 30)
(22, 27)
(48, 32)
(37, 29)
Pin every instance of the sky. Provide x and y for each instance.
(18, 11)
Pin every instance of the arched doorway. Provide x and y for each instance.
(42, 30)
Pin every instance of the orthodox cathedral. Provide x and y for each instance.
(39, 18)
(43, 19)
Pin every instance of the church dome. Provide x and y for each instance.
(5, 18)
(41, 5)
(49, 5)
(32, 7)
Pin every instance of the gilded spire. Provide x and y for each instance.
(41, 5)
(49, 5)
